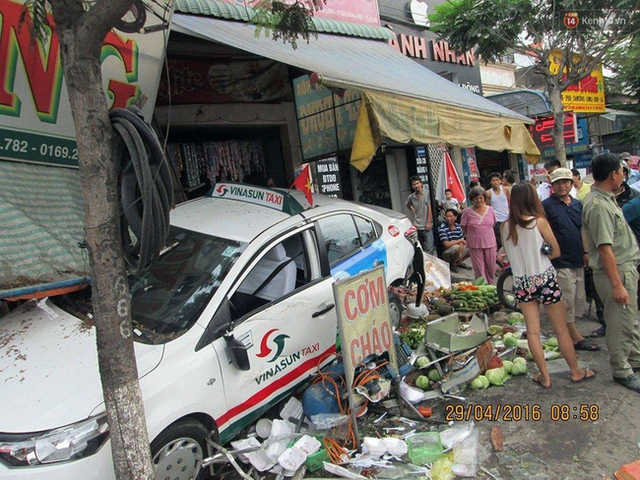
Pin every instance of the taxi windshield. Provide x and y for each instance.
(168, 299)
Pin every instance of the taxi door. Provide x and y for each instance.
(284, 327)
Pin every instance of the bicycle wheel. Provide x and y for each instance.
(504, 286)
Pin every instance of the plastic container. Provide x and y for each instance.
(424, 447)
(263, 427)
(315, 460)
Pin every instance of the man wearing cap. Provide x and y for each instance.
(564, 214)
(625, 193)
(614, 257)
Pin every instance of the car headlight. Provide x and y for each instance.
(60, 445)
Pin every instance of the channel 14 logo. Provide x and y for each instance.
(587, 19)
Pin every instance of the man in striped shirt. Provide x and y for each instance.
(453, 241)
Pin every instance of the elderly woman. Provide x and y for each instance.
(477, 223)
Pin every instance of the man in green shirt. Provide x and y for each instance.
(614, 257)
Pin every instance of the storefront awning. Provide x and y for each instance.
(404, 101)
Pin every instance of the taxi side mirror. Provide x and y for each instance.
(237, 351)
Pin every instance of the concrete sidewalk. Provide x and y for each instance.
(560, 445)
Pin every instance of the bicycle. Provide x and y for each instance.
(504, 286)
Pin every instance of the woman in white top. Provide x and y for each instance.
(499, 199)
(534, 278)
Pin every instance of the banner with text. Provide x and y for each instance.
(36, 124)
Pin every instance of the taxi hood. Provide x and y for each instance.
(49, 368)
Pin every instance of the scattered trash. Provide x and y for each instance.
(497, 438)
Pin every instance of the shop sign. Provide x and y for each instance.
(579, 147)
(326, 120)
(36, 124)
(582, 160)
(421, 164)
(542, 130)
(361, 12)
(363, 321)
(437, 55)
(328, 177)
(586, 96)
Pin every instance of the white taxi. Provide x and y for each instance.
(235, 315)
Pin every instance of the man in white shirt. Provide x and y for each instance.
(544, 189)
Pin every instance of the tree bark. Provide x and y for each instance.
(81, 35)
(557, 109)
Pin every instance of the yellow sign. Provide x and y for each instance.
(586, 96)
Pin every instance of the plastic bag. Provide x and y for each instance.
(442, 468)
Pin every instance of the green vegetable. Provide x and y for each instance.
(479, 383)
(552, 355)
(422, 361)
(552, 342)
(413, 337)
(433, 375)
(507, 364)
(510, 340)
(496, 376)
(494, 329)
(423, 382)
(519, 368)
(515, 317)
(520, 360)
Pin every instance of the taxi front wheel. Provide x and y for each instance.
(179, 450)
(395, 310)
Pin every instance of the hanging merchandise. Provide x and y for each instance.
(231, 160)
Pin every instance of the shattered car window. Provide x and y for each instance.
(169, 298)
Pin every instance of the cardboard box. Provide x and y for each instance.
(475, 362)
(444, 333)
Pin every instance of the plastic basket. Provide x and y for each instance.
(314, 461)
(424, 447)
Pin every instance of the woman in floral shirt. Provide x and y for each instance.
(534, 279)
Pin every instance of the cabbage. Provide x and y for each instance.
(515, 317)
(494, 330)
(520, 360)
(510, 340)
(552, 342)
(433, 375)
(423, 382)
(422, 361)
(519, 368)
(496, 376)
(507, 364)
(479, 383)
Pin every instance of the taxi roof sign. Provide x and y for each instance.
(266, 197)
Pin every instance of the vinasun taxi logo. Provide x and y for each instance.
(271, 346)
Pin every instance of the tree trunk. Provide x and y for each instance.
(555, 97)
(81, 35)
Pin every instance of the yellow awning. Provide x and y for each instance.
(410, 120)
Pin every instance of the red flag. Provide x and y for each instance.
(452, 180)
(303, 183)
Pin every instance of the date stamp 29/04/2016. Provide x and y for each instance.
(515, 412)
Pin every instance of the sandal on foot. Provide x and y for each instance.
(586, 376)
(536, 379)
(599, 332)
(586, 345)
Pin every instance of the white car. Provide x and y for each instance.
(236, 314)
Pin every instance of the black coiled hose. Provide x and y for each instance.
(146, 190)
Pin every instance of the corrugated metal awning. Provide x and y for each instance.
(404, 101)
(341, 61)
